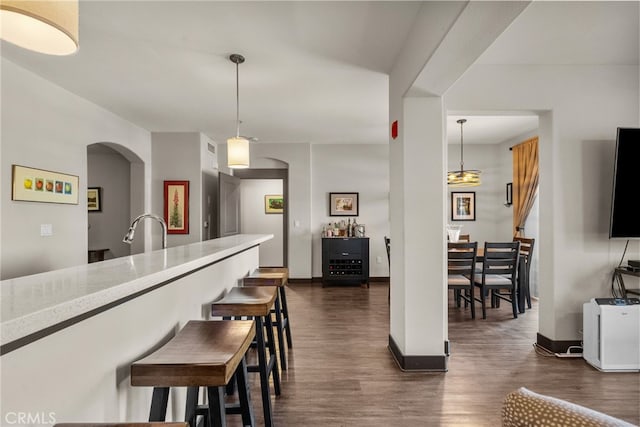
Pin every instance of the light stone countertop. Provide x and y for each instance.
(31, 304)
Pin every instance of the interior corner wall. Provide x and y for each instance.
(176, 157)
(587, 103)
(46, 127)
(361, 168)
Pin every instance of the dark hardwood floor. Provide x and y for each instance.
(341, 372)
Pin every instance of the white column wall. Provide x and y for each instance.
(418, 301)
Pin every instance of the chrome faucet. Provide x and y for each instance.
(128, 238)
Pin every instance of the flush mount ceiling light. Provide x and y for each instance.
(237, 146)
(49, 26)
(463, 178)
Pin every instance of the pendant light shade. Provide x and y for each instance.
(237, 146)
(47, 26)
(462, 177)
(237, 153)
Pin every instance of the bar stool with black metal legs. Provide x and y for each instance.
(159, 424)
(202, 354)
(275, 276)
(256, 302)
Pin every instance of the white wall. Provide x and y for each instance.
(352, 168)
(494, 221)
(490, 211)
(580, 106)
(110, 172)
(298, 159)
(254, 220)
(177, 157)
(314, 171)
(47, 127)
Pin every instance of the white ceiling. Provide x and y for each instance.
(314, 72)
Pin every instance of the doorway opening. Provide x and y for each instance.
(257, 187)
(117, 176)
(488, 138)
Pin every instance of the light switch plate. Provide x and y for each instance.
(46, 230)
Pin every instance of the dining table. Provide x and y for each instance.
(521, 278)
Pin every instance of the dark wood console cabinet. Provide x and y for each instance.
(345, 260)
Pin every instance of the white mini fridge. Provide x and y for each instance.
(611, 334)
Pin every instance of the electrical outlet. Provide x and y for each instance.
(379, 260)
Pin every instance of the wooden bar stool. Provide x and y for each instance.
(202, 354)
(256, 302)
(275, 276)
(121, 425)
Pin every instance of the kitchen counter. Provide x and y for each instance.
(38, 305)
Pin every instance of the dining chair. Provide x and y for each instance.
(461, 261)
(526, 254)
(499, 272)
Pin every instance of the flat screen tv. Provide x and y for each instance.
(625, 213)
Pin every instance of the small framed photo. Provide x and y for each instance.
(343, 204)
(176, 206)
(463, 206)
(94, 199)
(273, 204)
(509, 195)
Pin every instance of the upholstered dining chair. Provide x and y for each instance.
(526, 255)
(461, 261)
(499, 272)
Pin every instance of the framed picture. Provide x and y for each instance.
(94, 199)
(463, 206)
(38, 185)
(176, 206)
(343, 204)
(509, 195)
(273, 204)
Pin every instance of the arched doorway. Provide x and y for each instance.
(117, 174)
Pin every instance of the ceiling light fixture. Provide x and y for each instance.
(46, 26)
(463, 178)
(237, 146)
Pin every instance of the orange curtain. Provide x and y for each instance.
(525, 182)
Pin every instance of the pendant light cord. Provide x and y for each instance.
(237, 59)
(237, 100)
(461, 121)
(461, 148)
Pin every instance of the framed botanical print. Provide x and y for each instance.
(176, 206)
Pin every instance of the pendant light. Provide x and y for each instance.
(462, 177)
(237, 146)
(45, 26)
